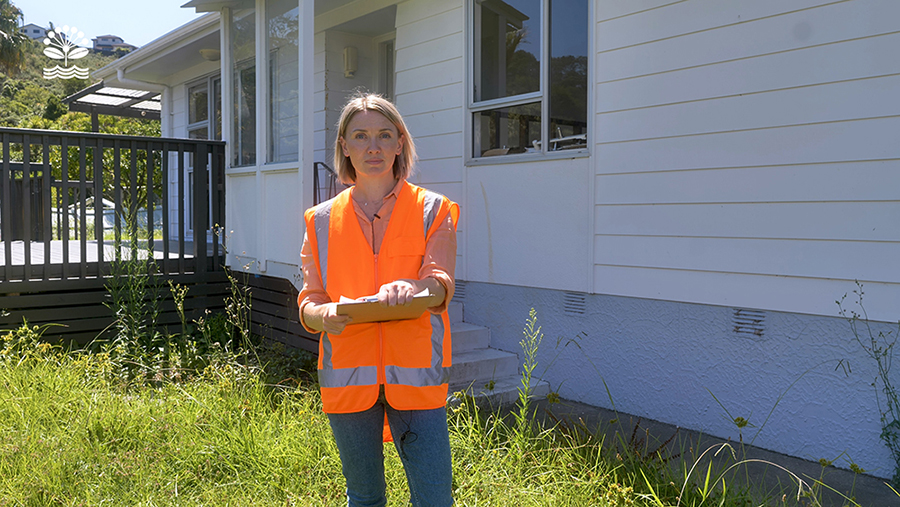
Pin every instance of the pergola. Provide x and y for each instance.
(100, 99)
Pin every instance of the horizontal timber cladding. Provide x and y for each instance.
(75, 311)
(274, 312)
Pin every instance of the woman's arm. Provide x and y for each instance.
(436, 273)
(324, 317)
(317, 312)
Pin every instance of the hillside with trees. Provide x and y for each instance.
(28, 100)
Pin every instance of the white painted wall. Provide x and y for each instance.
(429, 92)
(242, 220)
(339, 87)
(527, 224)
(745, 153)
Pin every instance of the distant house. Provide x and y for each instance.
(682, 189)
(34, 31)
(109, 43)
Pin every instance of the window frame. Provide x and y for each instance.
(235, 98)
(209, 82)
(262, 115)
(385, 50)
(542, 95)
(213, 132)
(264, 57)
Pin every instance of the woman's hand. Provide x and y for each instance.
(324, 317)
(398, 292)
(401, 292)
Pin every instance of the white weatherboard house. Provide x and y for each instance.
(681, 189)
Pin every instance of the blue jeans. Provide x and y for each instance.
(422, 441)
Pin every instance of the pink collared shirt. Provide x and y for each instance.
(439, 261)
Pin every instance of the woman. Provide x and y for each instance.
(383, 236)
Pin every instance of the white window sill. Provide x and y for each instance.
(528, 157)
(270, 167)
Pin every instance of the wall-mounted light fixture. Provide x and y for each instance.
(212, 55)
(351, 61)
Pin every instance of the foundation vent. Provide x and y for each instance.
(459, 293)
(750, 323)
(574, 303)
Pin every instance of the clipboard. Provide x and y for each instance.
(370, 310)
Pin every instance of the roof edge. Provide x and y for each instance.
(158, 45)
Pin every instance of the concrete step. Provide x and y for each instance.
(489, 375)
(499, 392)
(455, 309)
(482, 365)
(467, 337)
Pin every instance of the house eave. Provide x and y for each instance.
(217, 5)
(160, 47)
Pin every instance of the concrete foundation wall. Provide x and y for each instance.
(672, 361)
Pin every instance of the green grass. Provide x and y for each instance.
(72, 434)
(75, 431)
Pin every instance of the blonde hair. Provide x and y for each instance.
(405, 161)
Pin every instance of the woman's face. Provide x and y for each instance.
(372, 143)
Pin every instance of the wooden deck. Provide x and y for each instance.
(53, 184)
(46, 198)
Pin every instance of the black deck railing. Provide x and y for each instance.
(71, 204)
(325, 182)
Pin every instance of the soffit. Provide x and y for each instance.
(322, 6)
(217, 5)
(372, 24)
(172, 62)
(153, 62)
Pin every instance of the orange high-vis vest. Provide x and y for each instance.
(411, 358)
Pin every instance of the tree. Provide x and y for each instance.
(54, 108)
(32, 102)
(12, 42)
(81, 122)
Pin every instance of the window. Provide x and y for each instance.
(205, 109)
(386, 65)
(523, 101)
(282, 19)
(204, 122)
(243, 50)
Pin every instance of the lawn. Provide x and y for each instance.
(245, 428)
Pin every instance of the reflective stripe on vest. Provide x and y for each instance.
(329, 376)
(322, 217)
(432, 206)
(434, 375)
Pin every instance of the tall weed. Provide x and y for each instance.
(135, 294)
(879, 346)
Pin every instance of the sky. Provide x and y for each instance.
(135, 21)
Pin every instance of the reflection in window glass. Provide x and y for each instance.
(508, 48)
(243, 52)
(568, 74)
(511, 67)
(217, 109)
(387, 69)
(198, 104)
(284, 60)
(508, 130)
